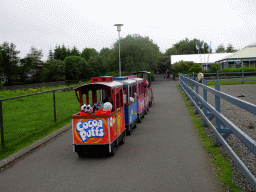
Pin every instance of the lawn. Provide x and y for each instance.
(27, 119)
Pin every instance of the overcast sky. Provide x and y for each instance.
(83, 23)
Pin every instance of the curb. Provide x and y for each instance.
(29, 148)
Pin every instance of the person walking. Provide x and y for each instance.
(167, 73)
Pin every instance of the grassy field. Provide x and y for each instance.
(27, 119)
(234, 81)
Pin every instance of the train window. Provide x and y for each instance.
(118, 100)
(125, 96)
(134, 91)
(122, 98)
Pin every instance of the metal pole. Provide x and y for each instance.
(1, 126)
(119, 56)
(54, 106)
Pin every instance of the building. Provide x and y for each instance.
(204, 59)
(245, 57)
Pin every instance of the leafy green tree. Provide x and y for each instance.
(137, 53)
(56, 71)
(88, 53)
(187, 46)
(230, 49)
(10, 62)
(76, 68)
(57, 53)
(1, 63)
(25, 69)
(220, 49)
(51, 55)
(74, 52)
(96, 64)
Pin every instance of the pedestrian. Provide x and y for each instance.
(168, 73)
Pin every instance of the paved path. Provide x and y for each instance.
(164, 153)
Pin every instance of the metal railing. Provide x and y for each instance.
(228, 76)
(223, 125)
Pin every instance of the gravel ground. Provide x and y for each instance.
(243, 120)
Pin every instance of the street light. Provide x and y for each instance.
(119, 29)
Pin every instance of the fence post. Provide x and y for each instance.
(196, 100)
(54, 105)
(217, 107)
(1, 125)
(243, 76)
(217, 76)
(205, 99)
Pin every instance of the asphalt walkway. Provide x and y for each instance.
(164, 153)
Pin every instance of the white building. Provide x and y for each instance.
(204, 59)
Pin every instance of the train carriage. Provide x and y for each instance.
(91, 132)
(146, 75)
(130, 102)
(141, 97)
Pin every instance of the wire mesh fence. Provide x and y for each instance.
(26, 118)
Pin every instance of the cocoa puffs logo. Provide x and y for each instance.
(89, 129)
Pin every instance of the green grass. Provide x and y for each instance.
(222, 169)
(234, 81)
(28, 119)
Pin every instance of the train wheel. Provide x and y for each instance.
(81, 153)
(113, 149)
(123, 140)
(129, 130)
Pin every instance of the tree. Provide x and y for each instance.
(10, 62)
(57, 53)
(26, 66)
(74, 52)
(56, 71)
(96, 64)
(187, 46)
(137, 53)
(230, 49)
(196, 68)
(220, 49)
(87, 53)
(77, 68)
(51, 55)
(1, 63)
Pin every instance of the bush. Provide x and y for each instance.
(215, 67)
(196, 68)
(245, 69)
(181, 67)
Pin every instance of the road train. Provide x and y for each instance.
(110, 108)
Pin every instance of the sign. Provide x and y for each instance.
(234, 60)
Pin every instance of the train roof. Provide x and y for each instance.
(98, 85)
(148, 72)
(137, 79)
(129, 82)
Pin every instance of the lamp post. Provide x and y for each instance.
(119, 29)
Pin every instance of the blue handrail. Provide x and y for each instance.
(190, 86)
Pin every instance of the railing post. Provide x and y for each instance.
(205, 99)
(1, 125)
(217, 76)
(217, 107)
(54, 105)
(243, 76)
(196, 100)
